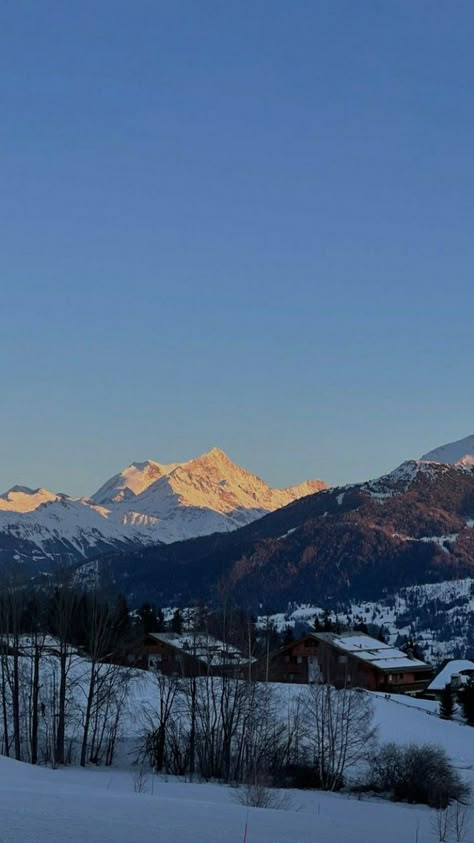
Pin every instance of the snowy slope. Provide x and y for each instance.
(66, 530)
(39, 805)
(146, 503)
(130, 482)
(461, 451)
(100, 805)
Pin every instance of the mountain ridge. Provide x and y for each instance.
(413, 525)
(147, 502)
(459, 452)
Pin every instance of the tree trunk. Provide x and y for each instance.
(87, 721)
(60, 759)
(16, 704)
(34, 704)
(6, 739)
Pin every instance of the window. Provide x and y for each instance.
(299, 660)
(342, 659)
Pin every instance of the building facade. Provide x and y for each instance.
(346, 660)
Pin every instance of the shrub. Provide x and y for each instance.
(258, 795)
(417, 773)
(300, 776)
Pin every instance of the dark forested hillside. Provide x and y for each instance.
(412, 526)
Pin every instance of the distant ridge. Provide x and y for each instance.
(459, 452)
(148, 502)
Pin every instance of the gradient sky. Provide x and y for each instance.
(247, 224)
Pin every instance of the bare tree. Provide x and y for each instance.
(101, 672)
(159, 717)
(11, 619)
(339, 730)
(63, 608)
(442, 822)
(460, 820)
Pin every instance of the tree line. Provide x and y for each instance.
(61, 692)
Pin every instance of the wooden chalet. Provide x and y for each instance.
(349, 659)
(191, 654)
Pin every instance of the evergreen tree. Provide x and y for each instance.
(466, 699)
(326, 623)
(148, 618)
(176, 623)
(317, 624)
(288, 636)
(381, 635)
(446, 704)
(160, 621)
(121, 618)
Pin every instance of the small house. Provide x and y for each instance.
(348, 659)
(455, 673)
(191, 654)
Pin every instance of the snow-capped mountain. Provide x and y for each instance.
(460, 452)
(146, 503)
(205, 495)
(23, 499)
(131, 482)
(412, 526)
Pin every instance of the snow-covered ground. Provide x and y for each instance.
(106, 805)
(73, 806)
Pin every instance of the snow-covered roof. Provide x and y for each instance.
(452, 668)
(377, 653)
(202, 646)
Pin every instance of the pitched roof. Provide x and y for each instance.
(370, 650)
(456, 666)
(203, 647)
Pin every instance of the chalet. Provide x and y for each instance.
(455, 673)
(351, 658)
(191, 654)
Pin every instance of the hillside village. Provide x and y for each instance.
(165, 707)
(140, 733)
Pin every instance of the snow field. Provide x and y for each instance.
(73, 806)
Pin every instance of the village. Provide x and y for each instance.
(349, 658)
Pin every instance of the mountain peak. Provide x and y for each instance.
(217, 452)
(216, 456)
(130, 482)
(24, 499)
(459, 452)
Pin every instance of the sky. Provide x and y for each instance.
(238, 224)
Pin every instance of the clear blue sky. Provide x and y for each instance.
(247, 224)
